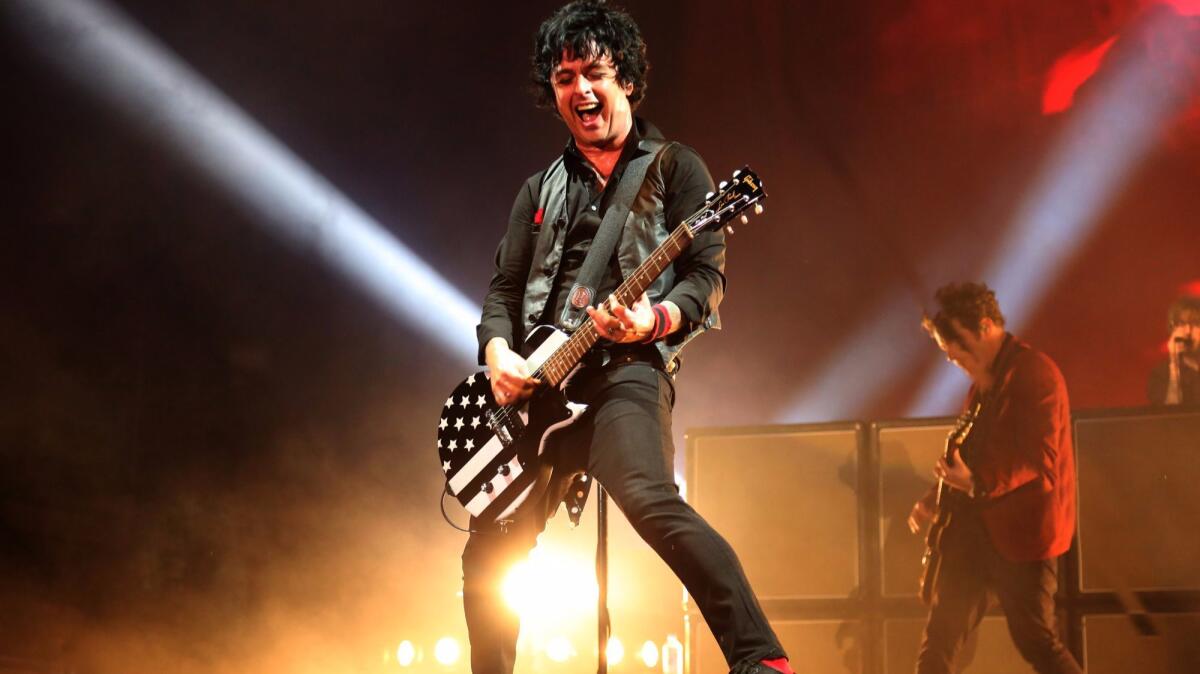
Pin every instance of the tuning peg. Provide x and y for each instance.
(729, 229)
(745, 220)
(758, 209)
(709, 195)
(723, 185)
(737, 173)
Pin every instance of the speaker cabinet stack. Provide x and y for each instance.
(786, 499)
(817, 514)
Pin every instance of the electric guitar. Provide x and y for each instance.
(944, 511)
(492, 455)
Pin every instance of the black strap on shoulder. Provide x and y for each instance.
(583, 293)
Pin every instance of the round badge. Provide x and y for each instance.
(581, 297)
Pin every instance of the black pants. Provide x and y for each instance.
(971, 568)
(624, 441)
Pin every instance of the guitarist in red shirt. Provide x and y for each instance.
(1013, 484)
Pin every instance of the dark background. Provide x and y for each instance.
(215, 452)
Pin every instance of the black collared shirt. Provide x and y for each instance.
(585, 203)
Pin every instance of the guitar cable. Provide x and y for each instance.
(446, 516)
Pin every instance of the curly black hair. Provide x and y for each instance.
(969, 303)
(589, 28)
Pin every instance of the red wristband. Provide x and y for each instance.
(662, 323)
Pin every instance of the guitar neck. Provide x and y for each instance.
(564, 359)
(957, 440)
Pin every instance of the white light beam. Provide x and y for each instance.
(113, 58)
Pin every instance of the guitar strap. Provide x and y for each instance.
(583, 293)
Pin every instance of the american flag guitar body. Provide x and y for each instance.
(492, 455)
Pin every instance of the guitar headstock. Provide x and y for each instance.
(743, 190)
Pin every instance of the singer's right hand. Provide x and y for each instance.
(509, 373)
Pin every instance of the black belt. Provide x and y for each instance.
(613, 358)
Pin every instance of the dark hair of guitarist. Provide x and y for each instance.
(589, 66)
(1010, 511)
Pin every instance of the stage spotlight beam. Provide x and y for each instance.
(879, 352)
(109, 55)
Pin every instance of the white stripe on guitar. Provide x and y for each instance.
(555, 339)
(575, 409)
(483, 456)
(483, 499)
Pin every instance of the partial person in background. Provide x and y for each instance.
(1176, 380)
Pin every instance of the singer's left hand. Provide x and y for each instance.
(621, 324)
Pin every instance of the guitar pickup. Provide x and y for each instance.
(502, 432)
(506, 428)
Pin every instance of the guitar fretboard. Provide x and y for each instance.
(563, 360)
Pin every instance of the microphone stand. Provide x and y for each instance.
(602, 619)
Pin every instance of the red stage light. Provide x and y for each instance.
(1069, 73)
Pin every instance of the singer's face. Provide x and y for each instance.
(1187, 331)
(591, 100)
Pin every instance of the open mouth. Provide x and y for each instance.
(588, 112)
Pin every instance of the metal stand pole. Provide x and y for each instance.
(602, 622)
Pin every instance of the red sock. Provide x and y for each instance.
(780, 665)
